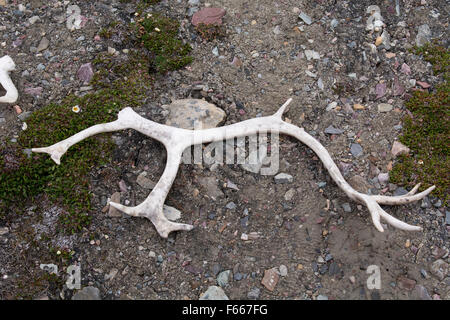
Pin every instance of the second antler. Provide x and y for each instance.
(176, 140)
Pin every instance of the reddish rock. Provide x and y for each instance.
(85, 73)
(270, 279)
(423, 84)
(208, 16)
(405, 283)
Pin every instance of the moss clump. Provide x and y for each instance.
(438, 56)
(426, 133)
(23, 178)
(159, 35)
(210, 31)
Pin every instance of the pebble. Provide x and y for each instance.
(347, 208)
(113, 212)
(400, 191)
(331, 106)
(289, 194)
(447, 217)
(33, 20)
(214, 293)
(193, 114)
(422, 292)
(145, 182)
(322, 297)
(283, 270)
(3, 231)
(231, 205)
(208, 16)
(85, 72)
(171, 213)
(270, 279)
(223, 278)
(311, 54)
(406, 283)
(254, 293)
(385, 107)
(87, 293)
(215, 51)
(283, 178)
(439, 268)
(399, 148)
(383, 178)
(423, 35)
(333, 130)
(238, 276)
(356, 149)
(306, 19)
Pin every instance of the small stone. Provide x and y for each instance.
(447, 217)
(289, 195)
(347, 208)
(405, 283)
(352, 279)
(439, 268)
(378, 41)
(238, 276)
(283, 270)
(332, 130)
(399, 148)
(214, 293)
(283, 178)
(43, 44)
(322, 297)
(33, 19)
(422, 292)
(193, 114)
(405, 69)
(87, 293)
(171, 213)
(85, 72)
(385, 107)
(270, 279)
(145, 182)
(231, 205)
(331, 106)
(208, 16)
(356, 149)
(277, 30)
(423, 35)
(358, 106)
(111, 50)
(306, 19)
(215, 51)
(3, 231)
(400, 192)
(311, 54)
(254, 293)
(423, 84)
(223, 278)
(113, 212)
(383, 178)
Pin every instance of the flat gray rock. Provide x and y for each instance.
(193, 114)
(214, 293)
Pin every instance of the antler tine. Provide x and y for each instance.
(7, 65)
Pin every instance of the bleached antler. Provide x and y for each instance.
(176, 140)
(6, 66)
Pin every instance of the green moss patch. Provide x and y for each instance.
(426, 132)
(23, 178)
(159, 35)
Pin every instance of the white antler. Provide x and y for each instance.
(176, 140)
(6, 66)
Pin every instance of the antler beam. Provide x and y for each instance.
(6, 66)
(176, 140)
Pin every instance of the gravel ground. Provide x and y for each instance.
(312, 240)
